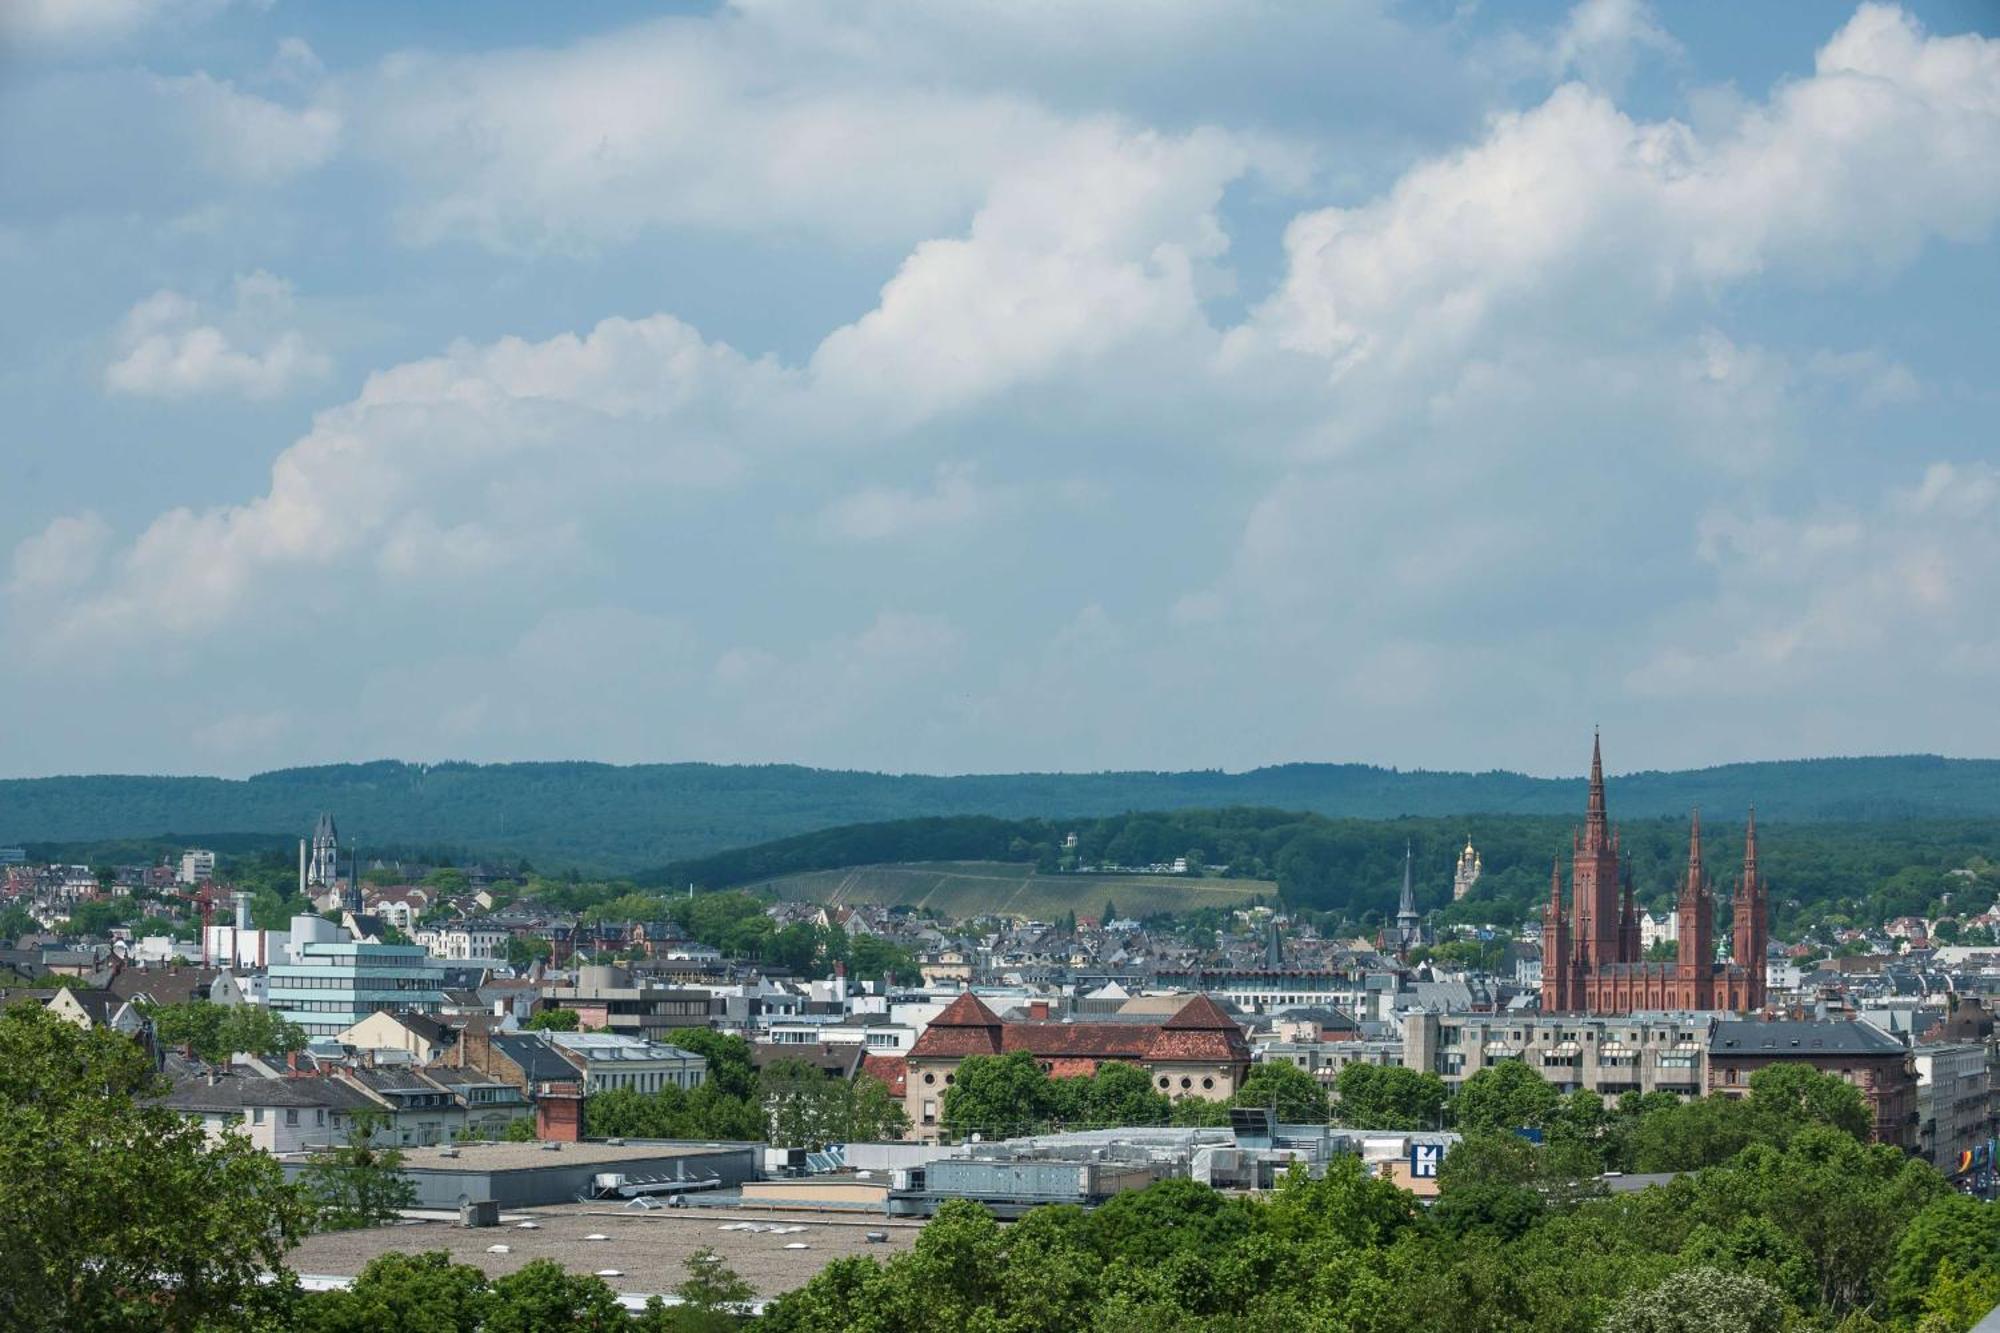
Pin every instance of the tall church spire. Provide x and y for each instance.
(1595, 816)
(1697, 925)
(1749, 930)
(1409, 931)
(1693, 886)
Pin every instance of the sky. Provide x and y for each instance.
(1005, 385)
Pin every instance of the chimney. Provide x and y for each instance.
(302, 867)
(1038, 1010)
(242, 915)
(559, 1113)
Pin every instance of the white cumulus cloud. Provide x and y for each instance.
(170, 347)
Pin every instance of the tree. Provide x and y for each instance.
(847, 1294)
(1198, 1113)
(397, 1292)
(194, 1025)
(1505, 1096)
(523, 951)
(996, 1097)
(1792, 1096)
(1958, 1301)
(1956, 1231)
(554, 1020)
(357, 1184)
(215, 1032)
(256, 1030)
(1297, 1095)
(98, 917)
(807, 1109)
(870, 958)
(712, 1299)
(1117, 1094)
(448, 882)
(543, 1295)
(730, 1070)
(15, 922)
(1390, 1097)
(116, 1213)
(1700, 1300)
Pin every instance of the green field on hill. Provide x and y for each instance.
(968, 888)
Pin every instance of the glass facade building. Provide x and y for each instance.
(329, 987)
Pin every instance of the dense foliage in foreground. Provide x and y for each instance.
(1826, 1233)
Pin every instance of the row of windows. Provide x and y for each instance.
(255, 1116)
(346, 980)
(652, 1081)
(1454, 1036)
(1208, 1084)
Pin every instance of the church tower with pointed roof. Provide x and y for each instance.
(1409, 925)
(323, 868)
(1592, 959)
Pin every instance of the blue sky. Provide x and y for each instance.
(996, 386)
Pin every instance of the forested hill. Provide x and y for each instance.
(1859, 871)
(609, 818)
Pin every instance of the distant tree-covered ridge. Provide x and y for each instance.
(1837, 874)
(606, 818)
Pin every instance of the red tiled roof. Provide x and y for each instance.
(1093, 1041)
(1200, 1031)
(966, 1027)
(893, 1070)
(968, 1010)
(1202, 1014)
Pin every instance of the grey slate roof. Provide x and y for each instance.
(239, 1092)
(540, 1061)
(1801, 1038)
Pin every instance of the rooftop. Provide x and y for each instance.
(611, 1046)
(1784, 1037)
(649, 1248)
(529, 1156)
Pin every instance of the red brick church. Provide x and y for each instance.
(1591, 959)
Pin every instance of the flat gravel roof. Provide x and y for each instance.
(649, 1249)
(521, 1156)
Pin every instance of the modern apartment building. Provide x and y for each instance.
(1610, 1056)
(609, 998)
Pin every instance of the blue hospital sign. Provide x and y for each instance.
(1424, 1159)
